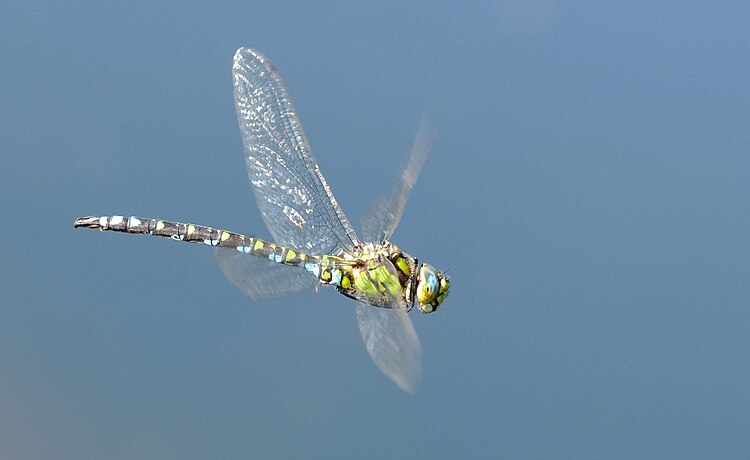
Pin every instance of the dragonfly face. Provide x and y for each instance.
(432, 288)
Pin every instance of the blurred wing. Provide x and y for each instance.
(380, 223)
(261, 278)
(295, 201)
(392, 343)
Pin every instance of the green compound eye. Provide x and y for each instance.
(432, 288)
(427, 288)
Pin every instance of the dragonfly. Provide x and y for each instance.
(313, 242)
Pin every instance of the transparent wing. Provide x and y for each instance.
(380, 223)
(295, 201)
(261, 278)
(392, 343)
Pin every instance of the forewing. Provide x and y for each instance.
(392, 343)
(261, 278)
(295, 201)
(380, 223)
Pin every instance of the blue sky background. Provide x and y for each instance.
(588, 192)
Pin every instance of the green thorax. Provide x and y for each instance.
(381, 275)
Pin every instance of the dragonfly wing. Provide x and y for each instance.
(295, 201)
(392, 343)
(380, 223)
(261, 278)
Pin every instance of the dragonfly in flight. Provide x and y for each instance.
(313, 241)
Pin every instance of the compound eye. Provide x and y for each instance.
(427, 289)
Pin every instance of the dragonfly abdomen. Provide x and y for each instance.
(193, 233)
(328, 269)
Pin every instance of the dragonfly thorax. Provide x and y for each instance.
(385, 276)
(381, 274)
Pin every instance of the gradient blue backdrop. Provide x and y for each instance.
(588, 192)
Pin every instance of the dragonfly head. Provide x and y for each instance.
(432, 288)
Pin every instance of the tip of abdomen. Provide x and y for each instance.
(90, 222)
